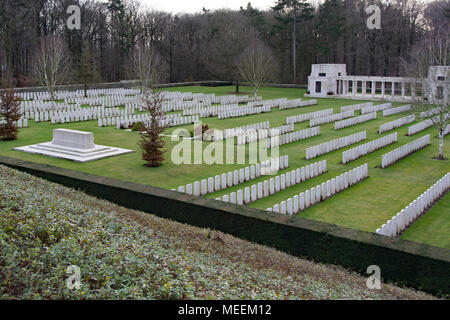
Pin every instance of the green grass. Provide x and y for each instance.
(433, 225)
(365, 206)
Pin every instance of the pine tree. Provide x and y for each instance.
(10, 111)
(87, 71)
(151, 141)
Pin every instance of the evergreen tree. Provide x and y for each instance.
(151, 141)
(10, 111)
(87, 70)
(299, 10)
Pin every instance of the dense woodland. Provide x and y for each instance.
(208, 45)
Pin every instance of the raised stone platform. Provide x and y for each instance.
(73, 145)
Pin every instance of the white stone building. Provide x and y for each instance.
(331, 80)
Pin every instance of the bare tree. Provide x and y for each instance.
(430, 66)
(257, 65)
(145, 66)
(52, 64)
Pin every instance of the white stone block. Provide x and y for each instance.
(254, 193)
(196, 188)
(189, 188)
(302, 201)
(247, 195)
(240, 197)
(266, 189)
(223, 181)
(229, 179)
(210, 185)
(260, 190)
(204, 187)
(283, 208)
(233, 198)
(295, 204)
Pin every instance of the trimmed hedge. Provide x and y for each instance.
(403, 262)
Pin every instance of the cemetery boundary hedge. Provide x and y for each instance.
(402, 262)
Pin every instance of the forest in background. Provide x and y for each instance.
(209, 44)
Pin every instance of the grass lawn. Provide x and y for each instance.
(365, 206)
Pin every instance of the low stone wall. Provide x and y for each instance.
(403, 262)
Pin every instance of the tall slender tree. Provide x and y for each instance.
(298, 10)
(52, 64)
(87, 67)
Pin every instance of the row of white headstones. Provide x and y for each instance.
(402, 220)
(388, 126)
(84, 115)
(321, 192)
(396, 110)
(273, 185)
(290, 137)
(364, 149)
(395, 155)
(21, 123)
(290, 104)
(329, 146)
(170, 121)
(354, 121)
(331, 118)
(210, 111)
(233, 178)
(249, 136)
(419, 127)
(308, 116)
(239, 131)
(379, 107)
(355, 107)
(242, 111)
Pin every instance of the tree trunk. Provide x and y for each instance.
(256, 93)
(441, 145)
(294, 49)
(237, 87)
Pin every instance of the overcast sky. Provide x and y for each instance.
(192, 6)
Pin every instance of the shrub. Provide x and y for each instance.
(138, 126)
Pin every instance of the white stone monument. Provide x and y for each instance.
(73, 145)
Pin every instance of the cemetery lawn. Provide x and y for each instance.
(126, 254)
(365, 206)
